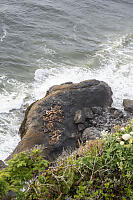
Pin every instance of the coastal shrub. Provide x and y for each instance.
(21, 173)
(100, 170)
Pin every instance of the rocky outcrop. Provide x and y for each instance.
(57, 121)
(93, 120)
(128, 105)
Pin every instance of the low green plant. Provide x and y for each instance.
(100, 170)
(20, 174)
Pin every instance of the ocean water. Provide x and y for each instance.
(43, 43)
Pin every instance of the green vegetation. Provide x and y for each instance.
(102, 169)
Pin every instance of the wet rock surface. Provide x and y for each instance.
(68, 113)
(128, 105)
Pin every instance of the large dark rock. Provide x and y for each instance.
(49, 122)
(128, 105)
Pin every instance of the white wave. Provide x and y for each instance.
(114, 65)
(3, 35)
(9, 137)
(45, 78)
(10, 101)
(116, 62)
(13, 94)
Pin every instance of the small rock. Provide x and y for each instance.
(94, 123)
(118, 113)
(81, 127)
(91, 134)
(128, 105)
(97, 110)
(111, 110)
(88, 113)
(67, 83)
(79, 117)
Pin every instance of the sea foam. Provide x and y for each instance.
(114, 65)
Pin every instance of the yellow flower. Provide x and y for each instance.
(131, 140)
(127, 145)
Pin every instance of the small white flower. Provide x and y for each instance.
(104, 133)
(126, 137)
(121, 143)
(122, 129)
(131, 133)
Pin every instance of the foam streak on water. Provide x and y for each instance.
(3, 35)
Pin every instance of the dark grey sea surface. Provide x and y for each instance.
(47, 42)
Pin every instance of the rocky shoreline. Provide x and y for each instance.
(70, 113)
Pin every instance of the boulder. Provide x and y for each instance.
(128, 105)
(91, 133)
(50, 122)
